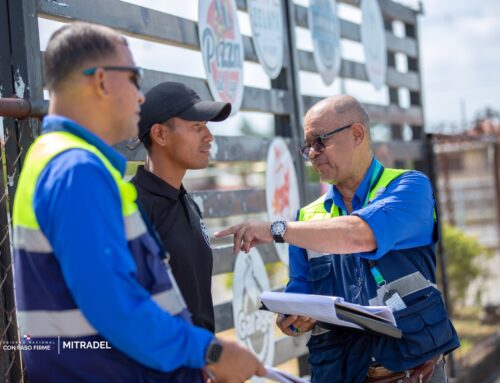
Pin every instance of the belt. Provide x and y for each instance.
(421, 374)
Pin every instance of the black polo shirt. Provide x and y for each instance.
(177, 218)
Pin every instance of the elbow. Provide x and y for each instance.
(365, 244)
(364, 240)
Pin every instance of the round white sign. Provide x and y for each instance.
(267, 30)
(325, 32)
(254, 327)
(222, 50)
(373, 39)
(282, 190)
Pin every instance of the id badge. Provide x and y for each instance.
(394, 301)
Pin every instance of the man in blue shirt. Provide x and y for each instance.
(92, 280)
(369, 240)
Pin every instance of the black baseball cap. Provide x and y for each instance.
(173, 99)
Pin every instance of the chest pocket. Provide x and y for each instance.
(426, 329)
(320, 276)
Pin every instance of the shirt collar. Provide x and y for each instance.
(333, 196)
(55, 123)
(156, 185)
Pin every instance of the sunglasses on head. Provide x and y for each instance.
(318, 143)
(136, 71)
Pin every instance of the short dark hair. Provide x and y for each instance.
(146, 141)
(75, 45)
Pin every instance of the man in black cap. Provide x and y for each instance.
(173, 128)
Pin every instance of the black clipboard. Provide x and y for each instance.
(368, 322)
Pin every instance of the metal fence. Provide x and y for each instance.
(20, 74)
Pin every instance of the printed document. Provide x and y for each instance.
(322, 308)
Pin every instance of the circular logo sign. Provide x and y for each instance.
(222, 50)
(373, 39)
(282, 191)
(325, 33)
(267, 31)
(254, 327)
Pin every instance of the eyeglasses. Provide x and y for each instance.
(138, 72)
(318, 143)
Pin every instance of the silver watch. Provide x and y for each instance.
(278, 229)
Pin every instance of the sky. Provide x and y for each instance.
(459, 49)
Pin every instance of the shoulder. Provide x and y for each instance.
(410, 185)
(412, 178)
(71, 180)
(74, 167)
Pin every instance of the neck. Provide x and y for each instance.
(348, 188)
(161, 167)
(85, 115)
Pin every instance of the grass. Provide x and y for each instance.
(470, 331)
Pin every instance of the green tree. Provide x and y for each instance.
(465, 263)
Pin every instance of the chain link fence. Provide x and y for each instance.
(15, 137)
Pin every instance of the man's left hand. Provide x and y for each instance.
(248, 235)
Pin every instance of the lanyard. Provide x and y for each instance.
(377, 173)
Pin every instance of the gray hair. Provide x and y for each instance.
(75, 45)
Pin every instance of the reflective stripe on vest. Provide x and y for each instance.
(72, 323)
(34, 240)
(405, 286)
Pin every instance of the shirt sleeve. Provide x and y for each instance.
(402, 216)
(78, 207)
(298, 270)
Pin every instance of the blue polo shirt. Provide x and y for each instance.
(75, 193)
(402, 217)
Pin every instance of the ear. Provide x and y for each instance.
(100, 84)
(358, 133)
(159, 134)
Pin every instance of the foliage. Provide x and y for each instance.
(465, 263)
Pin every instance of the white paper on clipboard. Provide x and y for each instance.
(279, 376)
(320, 307)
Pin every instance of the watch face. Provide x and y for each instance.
(278, 227)
(214, 352)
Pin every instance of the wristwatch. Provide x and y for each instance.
(278, 229)
(214, 351)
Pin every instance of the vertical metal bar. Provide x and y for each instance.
(21, 76)
(291, 125)
(441, 250)
(441, 253)
(27, 78)
(496, 175)
(396, 129)
(444, 166)
(10, 361)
